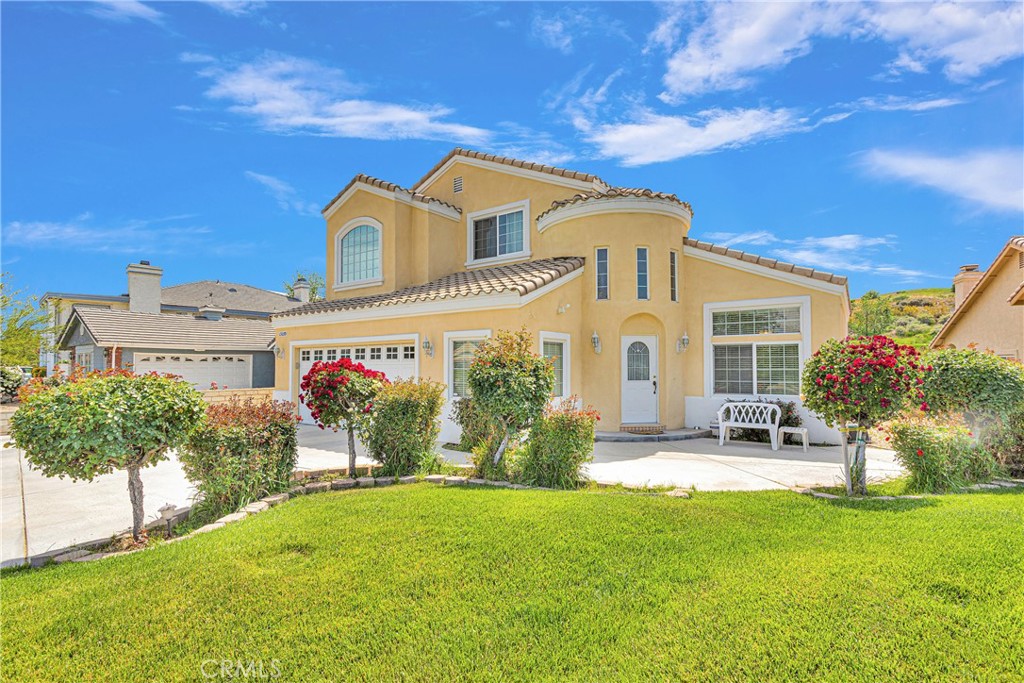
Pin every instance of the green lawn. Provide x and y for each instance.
(423, 583)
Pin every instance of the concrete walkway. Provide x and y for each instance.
(39, 514)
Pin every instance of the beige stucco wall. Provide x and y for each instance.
(991, 322)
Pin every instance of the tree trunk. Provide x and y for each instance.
(135, 492)
(859, 474)
(501, 448)
(351, 452)
(847, 469)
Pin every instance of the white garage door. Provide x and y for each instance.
(202, 370)
(396, 361)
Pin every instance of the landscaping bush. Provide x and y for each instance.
(244, 450)
(10, 380)
(106, 421)
(477, 427)
(941, 456)
(561, 441)
(1007, 442)
(510, 383)
(982, 386)
(789, 418)
(402, 434)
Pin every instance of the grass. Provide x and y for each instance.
(423, 583)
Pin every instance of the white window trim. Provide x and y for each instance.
(565, 340)
(459, 335)
(86, 350)
(608, 273)
(339, 236)
(524, 206)
(804, 340)
(754, 345)
(636, 270)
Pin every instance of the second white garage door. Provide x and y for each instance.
(396, 361)
(202, 370)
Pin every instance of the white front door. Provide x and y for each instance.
(640, 380)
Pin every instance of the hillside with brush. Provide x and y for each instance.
(912, 316)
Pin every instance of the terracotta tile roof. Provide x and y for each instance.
(613, 192)
(508, 161)
(390, 187)
(1017, 298)
(521, 278)
(171, 331)
(767, 262)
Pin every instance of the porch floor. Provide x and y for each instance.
(667, 435)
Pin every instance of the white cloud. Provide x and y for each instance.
(897, 103)
(236, 8)
(124, 11)
(992, 179)
(196, 58)
(652, 137)
(736, 41)
(560, 30)
(552, 32)
(291, 95)
(286, 195)
(842, 254)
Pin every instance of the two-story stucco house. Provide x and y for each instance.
(653, 328)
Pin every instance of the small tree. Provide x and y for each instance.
(340, 394)
(402, 434)
(22, 324)
(511, 383)
(316, 285)
(107, 421)
(855, 383)
(871, 315)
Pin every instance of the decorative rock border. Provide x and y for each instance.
(993, 485)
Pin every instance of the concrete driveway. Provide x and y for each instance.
(39, 514)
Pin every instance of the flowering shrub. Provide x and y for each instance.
(477, 428)
(10, 379)
(561, 441)
(340, 394)
(245, 450)
(862, 381)
(510, 383)
(93, 425)
(403, 431)
(940, 456)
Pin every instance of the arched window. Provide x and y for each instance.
(638, 361)
(359, 254)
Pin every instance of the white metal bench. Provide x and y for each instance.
(748, 415)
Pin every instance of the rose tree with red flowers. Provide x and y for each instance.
(857, 382)
(340, 394)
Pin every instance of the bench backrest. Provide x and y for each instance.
(753, 414)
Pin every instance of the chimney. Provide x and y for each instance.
(144, 287)
(964, 281)
(300, 290)
(208, 312)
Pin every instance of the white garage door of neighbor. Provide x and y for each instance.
(202, 370)
(396, 361)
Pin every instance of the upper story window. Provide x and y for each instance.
(776, 320)
(673, 275)
(358, 253)
(641, 273)
(499, 234)
(601, 257)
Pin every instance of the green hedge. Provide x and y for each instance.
(561, 442)
(403, 432)
(941, 456)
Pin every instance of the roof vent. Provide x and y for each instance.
(232, 289)
(144, 263)
(457, 184)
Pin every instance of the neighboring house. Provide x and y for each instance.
(207, 331)
(989, 305)
(653, 328)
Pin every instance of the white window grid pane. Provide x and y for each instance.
(409, 353)
(375, 353)
(641, 273)
(778, 369)
(555, 352)
(304, 355)
(345, 353)
(510, 233)
(318, 354)
(734, 369)
(463, 353)
(332, 354)
(485, 237)
(780, 320)
(359, 353)
(391, 353)
(360, 254)
(602, 273)
(638, 362)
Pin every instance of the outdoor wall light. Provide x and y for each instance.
(682, 343)
(596, 341)
(428, 348)
(278, 351)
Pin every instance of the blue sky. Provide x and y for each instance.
(882, 141)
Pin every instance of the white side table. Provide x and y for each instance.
(802, 431)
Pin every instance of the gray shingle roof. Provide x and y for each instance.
(228, 295)
(521, 278)
(173, 332)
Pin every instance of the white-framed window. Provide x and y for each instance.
(318, 354)
(332, 355)
(757, 369)
(673, 275)
(358, 254)
(460, 350)
(773, 320)
(83, 358)
(408, 353)
(375, 353)
(499, 234)
(601, 272)
(359, 353)
(642, 290)
(345, 353)
(304, 355)
(391, 353)
(555, 347)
